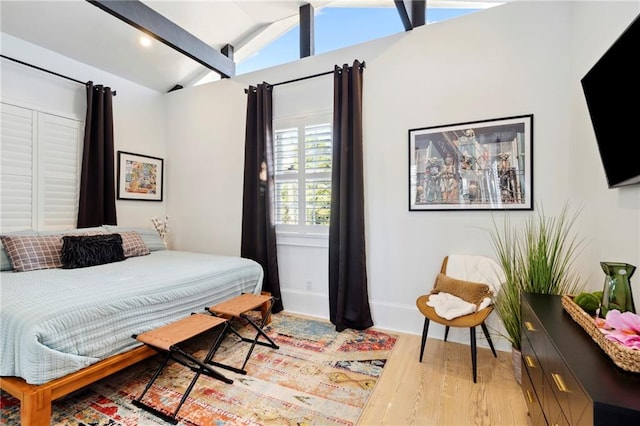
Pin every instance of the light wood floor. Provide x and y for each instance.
(440, 390)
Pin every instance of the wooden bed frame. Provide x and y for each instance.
(35, 400)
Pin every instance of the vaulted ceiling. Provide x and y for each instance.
(206, 32)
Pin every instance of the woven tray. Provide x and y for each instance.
(626, 358)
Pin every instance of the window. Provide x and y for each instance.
(40, 157)
(364, 23)
(303, 174)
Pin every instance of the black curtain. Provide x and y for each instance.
(348, 294)
(258, 227)
(97, 200)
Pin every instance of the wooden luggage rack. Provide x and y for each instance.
(166, 340)
(238, 307)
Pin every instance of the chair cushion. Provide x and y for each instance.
(466, 290)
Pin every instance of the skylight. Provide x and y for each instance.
(338, 27)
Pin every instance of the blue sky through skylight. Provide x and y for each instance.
(338, 27)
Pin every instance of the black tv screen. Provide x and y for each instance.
(612, 92)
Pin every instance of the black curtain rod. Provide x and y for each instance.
(362, 65)
(48, 71)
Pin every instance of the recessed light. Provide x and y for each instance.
(145, 41)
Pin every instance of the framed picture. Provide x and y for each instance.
(139, 177)
(480, 165)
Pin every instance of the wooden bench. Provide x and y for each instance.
(166, 340)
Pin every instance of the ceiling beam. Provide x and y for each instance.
(404, 14)
(418, 12)
(227, 50)
(307, 45)
(412, 12)
(142, 17)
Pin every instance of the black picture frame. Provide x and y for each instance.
(474, 165)
(140, 177)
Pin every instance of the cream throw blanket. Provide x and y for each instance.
(479, 269)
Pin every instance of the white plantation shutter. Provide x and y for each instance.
(16, 168)
(39, 169)
(303, 174)
(286, 151)
(286, 155)
(60, 165)
(317, 155)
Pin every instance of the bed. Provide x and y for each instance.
(62, 329)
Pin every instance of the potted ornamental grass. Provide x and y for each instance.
(535, 257)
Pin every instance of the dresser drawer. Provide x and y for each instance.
(531, 364)
(551, 406)
(536, 342)
(557, 418)
(533, 403)
(531, 329)
(567, 390)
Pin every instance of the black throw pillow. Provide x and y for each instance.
(90, 250)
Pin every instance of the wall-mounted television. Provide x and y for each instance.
(612, 92)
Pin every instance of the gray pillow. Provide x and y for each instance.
(74, 231)
(5, 262)
(149, 235)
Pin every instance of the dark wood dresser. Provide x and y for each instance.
(567, 378)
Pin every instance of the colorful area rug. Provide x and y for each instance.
(317, 377)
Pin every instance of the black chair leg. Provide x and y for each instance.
(446, 332)
(486, 334)
(425, 330)
(473, 351)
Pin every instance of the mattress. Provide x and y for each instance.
(56, 321)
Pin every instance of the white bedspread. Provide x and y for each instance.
(56, 321)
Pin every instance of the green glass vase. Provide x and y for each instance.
(617, 288)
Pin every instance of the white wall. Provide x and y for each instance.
(515, 59)
(612, 222)
(205, 130)
(138, 112)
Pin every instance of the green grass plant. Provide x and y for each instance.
(537, 257)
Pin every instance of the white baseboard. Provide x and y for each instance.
(394, 317)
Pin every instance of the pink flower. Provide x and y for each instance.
(623, 328)
(623, 321)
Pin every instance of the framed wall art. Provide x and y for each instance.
(140, 177)
(479, 165)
